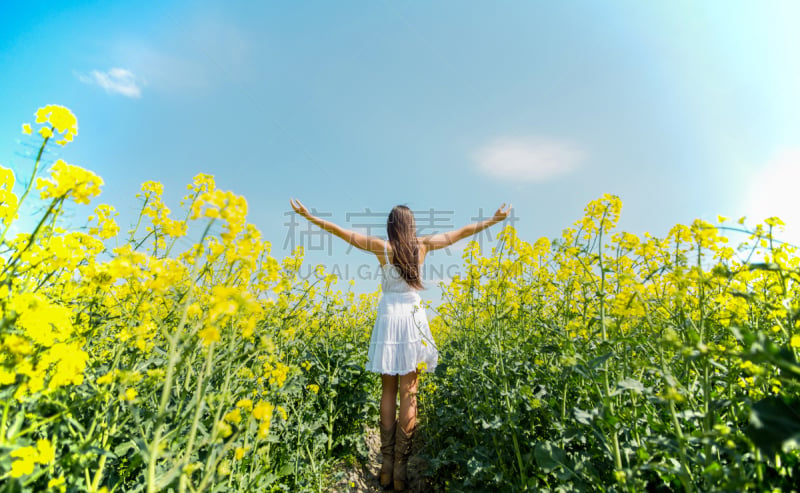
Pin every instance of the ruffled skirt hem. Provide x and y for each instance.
(386, 361)
(401, 340)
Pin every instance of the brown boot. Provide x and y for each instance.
(387, 451)
(402, 451)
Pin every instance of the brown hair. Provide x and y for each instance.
(402, 233)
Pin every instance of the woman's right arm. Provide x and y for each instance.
(361, 241)
(444, 240)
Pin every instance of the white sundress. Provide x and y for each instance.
(401, 338)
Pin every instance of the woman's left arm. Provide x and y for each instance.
(361, 241)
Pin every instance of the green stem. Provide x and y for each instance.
(196, 420)
(27, 188)
(606, 384)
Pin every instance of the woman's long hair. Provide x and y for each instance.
(402, 233)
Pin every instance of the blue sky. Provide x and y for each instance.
(683, 109)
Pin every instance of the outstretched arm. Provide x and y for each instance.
(361, 241)
(443, 240)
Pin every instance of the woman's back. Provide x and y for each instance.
(392, 280)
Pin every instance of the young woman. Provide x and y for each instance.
(401, 340)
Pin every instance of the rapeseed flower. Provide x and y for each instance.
(234, 416)
(24, 461)
(67, 180)
(9, 203)
(26, 458)
(61, 119)
(246, 404)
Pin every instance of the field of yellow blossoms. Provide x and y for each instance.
(181, 356)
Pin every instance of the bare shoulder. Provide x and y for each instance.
(386, 247)
(422, 250)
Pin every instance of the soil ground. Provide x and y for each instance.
(363, 478)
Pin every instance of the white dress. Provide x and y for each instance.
(401, 338)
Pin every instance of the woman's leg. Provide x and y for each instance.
(388, 400)
(405, 428)
(408, 401)
(388, 427)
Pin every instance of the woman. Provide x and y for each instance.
(401, 340)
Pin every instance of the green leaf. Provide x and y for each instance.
(124, 447)
(16, 425)
(495, 424)
(631, 384)
(773, 422)
(596, 362)
(584, 417)
(548, 456)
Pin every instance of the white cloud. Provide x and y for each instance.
(528, 159)
(772, 191)
(116, 80)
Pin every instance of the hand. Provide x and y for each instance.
(501, 214)
(299, 207)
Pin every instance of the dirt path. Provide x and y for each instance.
(364, 478)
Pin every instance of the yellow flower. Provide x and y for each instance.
(263, 411)
(106, 225)
(673, 394)
(25, 461)
(46, 451)
(263, 429)
(61, 118)
(202, 183)
(277, 374)
(224, 468)
(26, 128)
(795, 342)
(70, 364)
(224, 429)
(246, 404)
(8, 203)
(7, 377)
(67, 180)
(313, 387)
(209, 334)
(58, 483)
(234, 416)
(130, 394)
(17, 345)
(107, 378)
(774, 221)
(45, 323)
(748, 365)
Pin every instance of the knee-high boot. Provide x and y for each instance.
(387, 451)
(402, 451)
